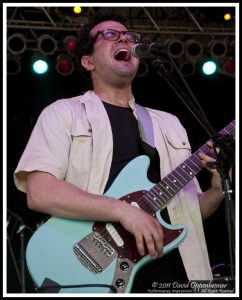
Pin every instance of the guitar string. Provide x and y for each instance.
(175, 182)
(164, 187)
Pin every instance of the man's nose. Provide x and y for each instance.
(122, 38)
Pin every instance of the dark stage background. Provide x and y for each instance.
(28, 94)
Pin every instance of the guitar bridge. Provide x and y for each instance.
(94, 252)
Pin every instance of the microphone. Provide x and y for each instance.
(146, 50)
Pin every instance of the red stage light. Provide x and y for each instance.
(72, 47)
(64, 65)
(229, 66)
(70, 43)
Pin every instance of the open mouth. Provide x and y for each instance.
(122, 55)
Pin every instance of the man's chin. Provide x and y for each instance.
(125, 72)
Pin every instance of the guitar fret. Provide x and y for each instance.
(205, 150)
(177, 178)
(165, 188)
(181, 178)
(183, 169)
(160, 194)
(155, 196)
(154, 199)
(191, 169)
(191, 173)
(172, 182)
(194, 166)
(197, 161)
(151, 201)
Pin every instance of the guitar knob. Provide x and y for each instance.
(124, 266)
(120, 283)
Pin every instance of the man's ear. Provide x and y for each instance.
(86, 62)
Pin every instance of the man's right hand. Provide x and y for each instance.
(145, 228)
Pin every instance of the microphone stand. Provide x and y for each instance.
(224, 159)
(21, 232)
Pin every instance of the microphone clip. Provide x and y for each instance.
(146, 50)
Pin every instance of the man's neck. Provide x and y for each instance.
(116, 96)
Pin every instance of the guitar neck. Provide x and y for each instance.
(163, 191)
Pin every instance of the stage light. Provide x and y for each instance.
(227, 17)
(187, 68)
(209, 67)
(64, 65)
(194, 49)
(217, 14)
(175, 47)
(16, 43)
(47, 45)
(39, 65)
(70, 43)
(73, 10)
(13, 64)
(229, 66)
(77, 9)
(218, 49)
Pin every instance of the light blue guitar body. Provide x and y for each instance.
(50, 254)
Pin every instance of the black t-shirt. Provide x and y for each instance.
(127, 145)
(126, 139)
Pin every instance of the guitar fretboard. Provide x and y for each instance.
(163, 191)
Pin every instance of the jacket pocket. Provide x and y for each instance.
(178, 142)
(178, 147)
(81, 148)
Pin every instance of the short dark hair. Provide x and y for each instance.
(86, 42)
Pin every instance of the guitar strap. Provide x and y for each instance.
(148, 142)
(145, 125)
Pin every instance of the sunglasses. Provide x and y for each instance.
(114, 35)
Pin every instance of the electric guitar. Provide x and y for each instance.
(73, 256)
